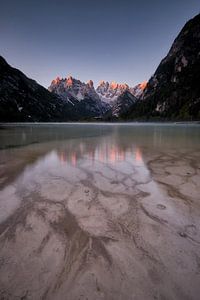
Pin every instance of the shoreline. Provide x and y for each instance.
(103, 123)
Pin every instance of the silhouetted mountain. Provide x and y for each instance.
(173, 92)
(24, 100)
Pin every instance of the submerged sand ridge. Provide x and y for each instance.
(96, 219)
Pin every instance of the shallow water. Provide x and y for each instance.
(100, 211)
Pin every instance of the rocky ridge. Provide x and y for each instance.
(173, 92)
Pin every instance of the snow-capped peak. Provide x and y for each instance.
(109, 92)
(70, 87)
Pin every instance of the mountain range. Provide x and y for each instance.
(172, 93)
(106, 98)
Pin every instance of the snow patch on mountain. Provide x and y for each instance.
(81, 95)
(105, 98)
(109, 92)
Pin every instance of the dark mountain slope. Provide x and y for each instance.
(174, 90)
(23, 100)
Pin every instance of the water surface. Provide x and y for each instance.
(99, 211)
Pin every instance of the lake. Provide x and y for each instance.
(100, 211)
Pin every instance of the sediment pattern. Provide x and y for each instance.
(124, 227)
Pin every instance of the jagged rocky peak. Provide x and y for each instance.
(103, 83)
(107, 96)
(109, 92)
(143, 85)
(112, 85)
(90, 83)
(102, 87)
(56, 80)
(138, 90)
(69, 81)
(82, 95)
(70, 86)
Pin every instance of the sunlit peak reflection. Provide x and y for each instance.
(73, 159)
(109, 154)
(104, 153)
(138, 155)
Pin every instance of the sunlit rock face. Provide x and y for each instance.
(109, 92)
(90, 83)
(23, 99)
(106, 100)
(70, 86)
(138, 90)
(120, 97)
(67, 99)
(173, 92)
(82, 95)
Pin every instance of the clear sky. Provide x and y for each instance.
(120, 40)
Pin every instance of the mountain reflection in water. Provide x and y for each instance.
(105, 153)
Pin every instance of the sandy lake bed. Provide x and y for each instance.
(100, 212)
